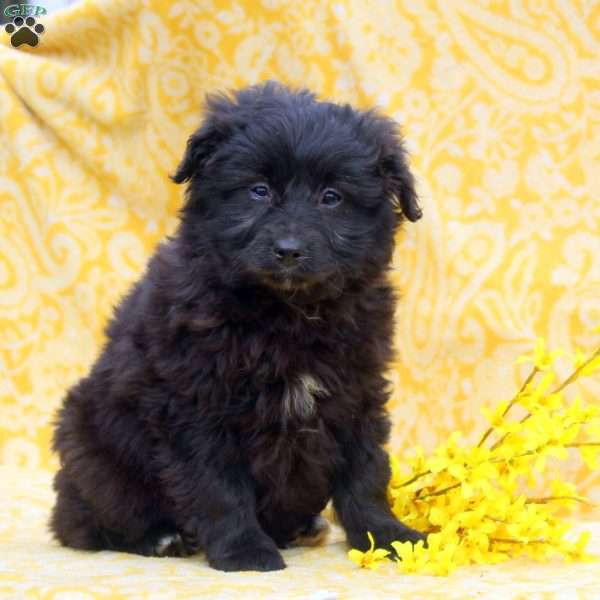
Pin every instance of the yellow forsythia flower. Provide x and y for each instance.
(371, 558)
(470, 500)
(541, 358)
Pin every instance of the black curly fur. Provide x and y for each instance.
(193, 423)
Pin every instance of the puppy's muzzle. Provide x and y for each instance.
(289, 251)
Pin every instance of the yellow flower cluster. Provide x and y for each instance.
(476, 502)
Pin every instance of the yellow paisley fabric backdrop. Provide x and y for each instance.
(500, 105)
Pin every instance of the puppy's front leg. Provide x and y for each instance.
(215, 506)
(360, 493)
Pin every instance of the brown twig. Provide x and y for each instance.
(414, 478)
(578, 444)
(439, 492)
(509, 541)
(552, 498)
(487, 434)
(573, 376)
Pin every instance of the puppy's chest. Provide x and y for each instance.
(290, 383)
(288, 432)
(301, 395)
(293, 399)
(293, 447)
(285, 404)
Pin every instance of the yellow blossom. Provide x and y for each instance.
(541, 358)
(590, 455)
(370, 559)
(494, 417)
(413, 558)
(396, 477)
(469, 498)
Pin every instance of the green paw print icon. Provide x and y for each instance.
(24, 31)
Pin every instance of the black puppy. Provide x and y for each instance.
(242, 386)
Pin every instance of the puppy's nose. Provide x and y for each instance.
(288, 250)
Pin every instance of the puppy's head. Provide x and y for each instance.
(295, 194)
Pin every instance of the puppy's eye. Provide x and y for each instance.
(331, 198)
(260, 191)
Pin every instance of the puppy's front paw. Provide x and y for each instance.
(259, 559)
(406, 534)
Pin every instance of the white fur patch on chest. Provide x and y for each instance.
(299, 397)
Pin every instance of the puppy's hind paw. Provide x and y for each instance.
(314, 534)
(259, 559)
(163, 541)
(170, 545)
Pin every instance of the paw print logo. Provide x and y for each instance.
(24, 31)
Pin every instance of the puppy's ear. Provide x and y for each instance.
(199, 149)
(399, 180)
(201, 145)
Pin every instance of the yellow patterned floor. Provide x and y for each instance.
(32, 565)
